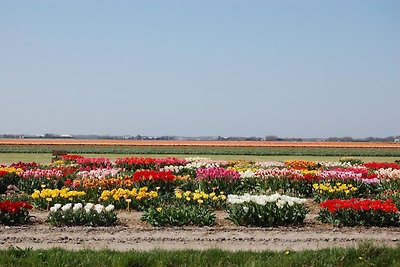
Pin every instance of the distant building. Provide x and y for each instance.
(66, 136)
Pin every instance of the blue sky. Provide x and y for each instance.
(301, 68)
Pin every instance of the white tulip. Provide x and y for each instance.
(67, 207)
(77, 206)
(110, 208)
(99, 208)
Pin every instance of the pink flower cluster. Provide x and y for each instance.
(368, 180)
(38, 173)
(362, 170)
(279, 173)
(98, 173)
(217, 173)
(339, 174)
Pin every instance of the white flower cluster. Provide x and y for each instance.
(172, 168)
(247, 174)
(337, 164)
(194, 164)
(78, 206)
(389, 173)
(278, 199)
(198, 162)
(269, 164)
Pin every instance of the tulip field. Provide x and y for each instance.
(260, 148)
(145, 203)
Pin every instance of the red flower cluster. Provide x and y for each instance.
(68, 170)
(25, 165)
(170, 161)
(14, 207)
(71, 157)
(359, 204)
(135, 163)
(150, 175)
(2, 173)
(93, 163)
(381, 165)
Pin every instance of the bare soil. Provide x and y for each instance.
(132, 234)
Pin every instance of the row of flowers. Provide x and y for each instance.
(244, 210)
(174, 191)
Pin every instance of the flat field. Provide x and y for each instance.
(197, 143)
(253, 148)
(45, 158)
(132, 234)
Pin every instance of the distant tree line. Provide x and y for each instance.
(205, 138)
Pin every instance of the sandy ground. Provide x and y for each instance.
(130, 234)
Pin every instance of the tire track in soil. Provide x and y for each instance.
(130, 234)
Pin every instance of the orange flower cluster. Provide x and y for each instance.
(300, 164)
(87, 183)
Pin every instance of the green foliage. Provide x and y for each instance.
(178, 215)
(364, 255)
(203, 150)
(19, 218)
(302, 188)
(351, 160)
(390, 184)
(268, 215)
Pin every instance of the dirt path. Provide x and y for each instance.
(130, 233)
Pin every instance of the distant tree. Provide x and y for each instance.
(253, 138)
(271, 138)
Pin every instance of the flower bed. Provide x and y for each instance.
(325, 191)
(46, 197)
(365, 212)
(14, 213)
(79, 214)
(158, 186)
(179, 215)
(266, 210)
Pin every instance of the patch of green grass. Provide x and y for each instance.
(45, 158)
(206, 150)
(365, 255)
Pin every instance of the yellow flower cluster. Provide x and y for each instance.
(57, 193)
(337, 187)
(11, 170)
(199, 196)
(120, 193)
(58, 162)
(183, 177)
(242, 168)
(307, 172)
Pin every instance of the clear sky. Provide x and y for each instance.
(300, 68)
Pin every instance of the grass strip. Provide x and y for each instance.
(364, 255)
(197, 150)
